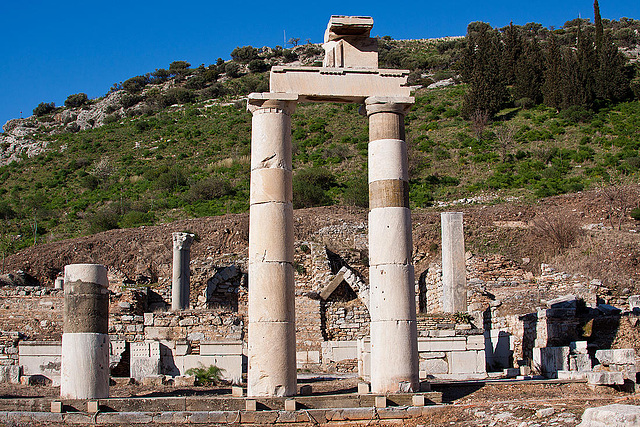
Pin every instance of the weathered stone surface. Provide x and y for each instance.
(435, 366)
(626, 356)
(611, 416)
(454, 270)
(605, 378)
(550, 360)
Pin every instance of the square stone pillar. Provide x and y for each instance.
(394, 345)
(454, 270)
(181, 270)
(271, 307)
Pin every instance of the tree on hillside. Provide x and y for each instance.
(76, 100)
(481, 69)
(611, 80)
(598, 23)
(511, 53)
(529, 73)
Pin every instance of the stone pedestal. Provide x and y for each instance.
(181, 270)
(454, 270)
(271, 311)
(394, 348)
(85, 339)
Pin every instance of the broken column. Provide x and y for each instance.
(271, 306)
(85, 339)
(394, 347)
(181, 270)
(454, 270)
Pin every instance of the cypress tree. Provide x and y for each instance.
(529, 73)
(553, 80)
(598, 22)
(481, 68)
(512, 51)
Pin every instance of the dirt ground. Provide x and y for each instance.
(499, 403)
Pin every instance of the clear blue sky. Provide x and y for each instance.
(53, 49)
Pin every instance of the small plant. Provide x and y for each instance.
(462, 317)
(206, 376)
(635, 214)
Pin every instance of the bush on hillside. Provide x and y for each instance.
(44, 108)
(310, 188)
(244, 54)
(179, 68)
(258, 66)
(76, 100)
(232, 69)
(135, 84)
(209, 189)
(178, 95)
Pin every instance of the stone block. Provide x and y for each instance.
(583, 362)
(475, 342)
(578, 347)
(10, 374)
(184, 381)
(305, 390)
(422, 375)
(442, 344)
(634, 302)
(182, 348)
(571, 375)
(380, 402)
(550, 360)
(566, 301)
(626, 356)
(432, 355)
(153, 380)
(434, 366)
(221, 347)
(251, 405)
(93, 406)
(605, 378)
(289, 404)
(237, 391)
(611, 415)
(363, 388)
(56, 407)
(417, 400)
(463, 362)
(141, 367)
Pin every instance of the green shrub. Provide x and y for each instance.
(103, 220)
(129, 100)
(179, 68)
(232, 69)
(635, 214)
(244, 54)
(136, 219)
(76, 100)
(44, 108)
(310, 188)
(209, 189)
(258, 66)
(357, 192)
(135, 84)
(178, 95)
(206, 376)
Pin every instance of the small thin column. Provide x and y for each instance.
(271, 306)
(85, 339)
(181, 270)
(394, 345)
(454, 270)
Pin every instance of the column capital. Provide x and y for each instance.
(182, 241)
(279, 102)
(388, 104)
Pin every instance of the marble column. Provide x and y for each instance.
(85, 339)
(271, 306)
(454, 270)
(181, 270)
(394, 345)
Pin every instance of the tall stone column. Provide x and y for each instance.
(181, 270)
(394, 343)
(454, 270)
(85, 339)
(271, 307)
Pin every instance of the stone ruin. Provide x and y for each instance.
(251, 318)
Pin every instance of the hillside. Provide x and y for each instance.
(174, 144)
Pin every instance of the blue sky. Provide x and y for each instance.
(50, 50)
